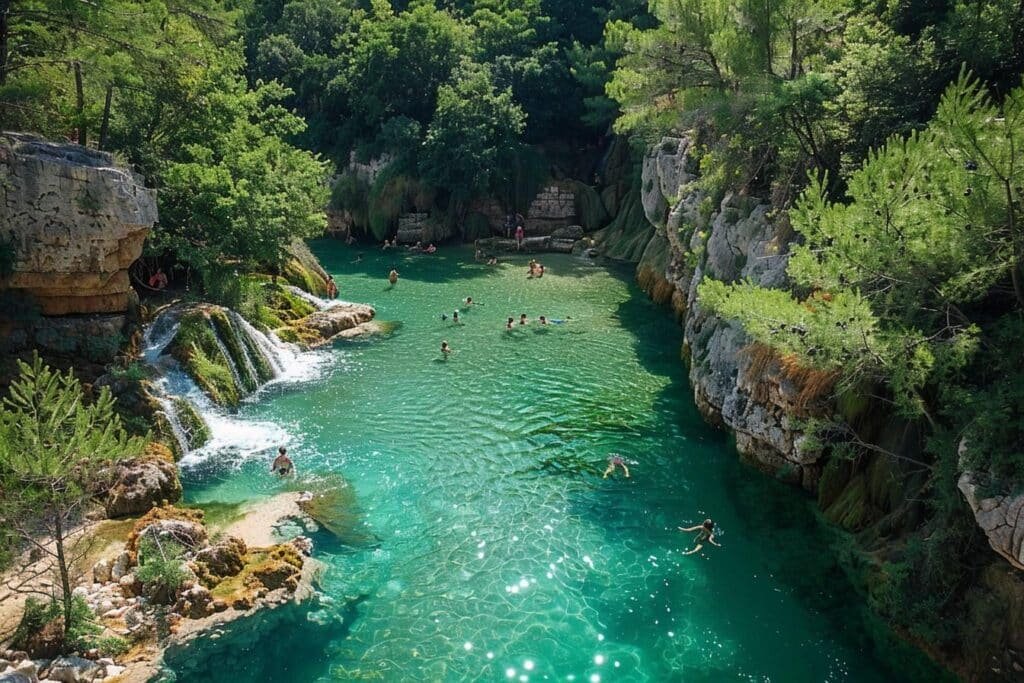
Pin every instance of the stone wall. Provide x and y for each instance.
(554, 207)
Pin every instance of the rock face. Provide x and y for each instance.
(733, 386)
(1001, 517)
(141, 484)
(76, 222)
(323, 326)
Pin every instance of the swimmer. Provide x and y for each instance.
(455, 318)
(359, 258)
(508, 326)
(522, 318)
(705, 534)
(387, 245)
(431, 249)
(616, 460)
(543, 320)
(393, 277)
(445, 350)
(282, 464)
(561, 321)
(541, 273)
(469, 301)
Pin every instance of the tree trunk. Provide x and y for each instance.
(62, 566)
(5, 9)
(80, 104)
(105, 125)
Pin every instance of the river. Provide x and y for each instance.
(498, 551)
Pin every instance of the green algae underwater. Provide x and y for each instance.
(489, 547)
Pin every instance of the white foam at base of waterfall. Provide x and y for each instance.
(232, 438)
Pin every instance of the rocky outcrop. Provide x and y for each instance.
(735, 387)
(141, 484)
(324, 326)
(1001, 518)
(76, 222)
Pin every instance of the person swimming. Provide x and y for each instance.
(705, 534)
(469, 301)
(510, 322)
(282, 464)
(393, 276)
(522, 318)
(615, 460)
(445, 350)
(455, 318)
(543, 320)
(560, 321)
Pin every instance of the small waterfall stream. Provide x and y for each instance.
(264, 357)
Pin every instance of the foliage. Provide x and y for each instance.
(80, 632)
(53, 445)
(161, 565)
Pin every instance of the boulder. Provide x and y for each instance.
(195, 602)
(322, 326)
(101, 571)
(1000, 516)
(120, 566)
(217, 562)
(11, 675)
(73, 670)
(141, 484)
(188, 534)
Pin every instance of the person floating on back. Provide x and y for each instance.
(705, 534)
(616, 460)
(282, 464)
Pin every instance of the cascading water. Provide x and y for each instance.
(229, 436)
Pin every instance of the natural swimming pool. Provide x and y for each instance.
(498, 551)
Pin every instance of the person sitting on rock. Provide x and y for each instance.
(616, 460)
(282, 464)
(705, 534)
(158, 280)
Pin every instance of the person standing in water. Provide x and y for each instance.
(520, 236)
(445, 350)
(705, 534)
(455, 318)
(282, 464)
(522, 318)
(332, 287)
(616, 460)
(543, 320)
(393, 277)
(509, 325)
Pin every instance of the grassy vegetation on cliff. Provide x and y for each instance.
(195, 347)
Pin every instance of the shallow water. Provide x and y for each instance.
(501, 553)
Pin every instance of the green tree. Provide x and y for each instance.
(472, 135)
(53, 447)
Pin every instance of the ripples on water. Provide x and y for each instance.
(503, 555)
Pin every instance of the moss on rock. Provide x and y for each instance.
(197, 432)
(195, 347)
(231, 338)
(589, 207)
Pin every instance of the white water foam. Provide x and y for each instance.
(231, 438)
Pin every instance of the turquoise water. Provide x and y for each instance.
(499, 552)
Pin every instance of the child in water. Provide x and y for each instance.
(705, 534)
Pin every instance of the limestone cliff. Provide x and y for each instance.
(71, 224)
(735, 385)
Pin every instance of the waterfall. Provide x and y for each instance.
(318, 303)
(229, 436)
(230, 360)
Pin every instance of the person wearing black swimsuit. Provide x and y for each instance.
(705, 534)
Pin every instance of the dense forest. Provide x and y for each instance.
(888, 137)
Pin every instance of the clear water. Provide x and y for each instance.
(502, 553)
